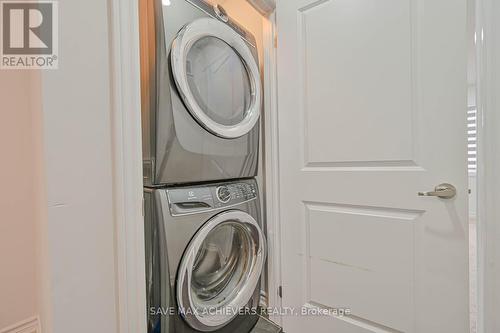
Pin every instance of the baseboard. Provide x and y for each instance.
(31, 325)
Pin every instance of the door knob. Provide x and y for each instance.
(443, 191)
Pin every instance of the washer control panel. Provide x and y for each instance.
(189, 200)
(232, 194)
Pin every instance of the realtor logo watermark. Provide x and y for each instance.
(29, 34)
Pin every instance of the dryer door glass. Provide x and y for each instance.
(217, 77)
(220, 271)
(219, 81)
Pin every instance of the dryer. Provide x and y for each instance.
(202, 95)
(205, 254)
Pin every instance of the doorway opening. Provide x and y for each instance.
(472, 163)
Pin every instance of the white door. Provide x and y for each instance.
(372, 110)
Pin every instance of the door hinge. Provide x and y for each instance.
(280, 291)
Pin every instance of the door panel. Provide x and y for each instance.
(355, 247)
(369, 58)
(372, 110)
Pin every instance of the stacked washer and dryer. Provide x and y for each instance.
(205, 240)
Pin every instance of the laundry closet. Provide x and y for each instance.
(202, 121)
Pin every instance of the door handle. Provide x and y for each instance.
(443, 191)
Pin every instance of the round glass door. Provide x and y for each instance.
(217, 77)
(220, 270)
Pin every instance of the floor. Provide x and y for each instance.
(473, 275)
(266, 326)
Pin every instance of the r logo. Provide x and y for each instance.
(29, 34)
(27, 28)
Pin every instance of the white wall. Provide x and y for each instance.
(77, 125)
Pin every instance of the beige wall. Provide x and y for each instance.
(20, 194)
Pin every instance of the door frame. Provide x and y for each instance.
(271, 165)
(488, 64)
(127, 165)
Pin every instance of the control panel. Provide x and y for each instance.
(188, 200)
(235, 193)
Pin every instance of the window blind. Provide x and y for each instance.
(472, 138)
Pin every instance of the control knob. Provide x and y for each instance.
(223, 194)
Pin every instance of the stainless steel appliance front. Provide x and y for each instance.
(201, 95)
(205, 257)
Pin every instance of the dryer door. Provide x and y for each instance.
(220, 270)
(217, 77)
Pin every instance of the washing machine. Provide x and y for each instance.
(202, 95)
(205, 255)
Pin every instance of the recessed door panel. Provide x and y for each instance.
(356, 246)
(362, 63)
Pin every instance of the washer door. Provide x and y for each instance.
(217, 77)
(220, 270)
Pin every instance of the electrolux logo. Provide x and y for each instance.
(29, 34)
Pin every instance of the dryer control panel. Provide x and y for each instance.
(197, 199)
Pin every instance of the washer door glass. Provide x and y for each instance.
(217, 77)
(220, 270)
